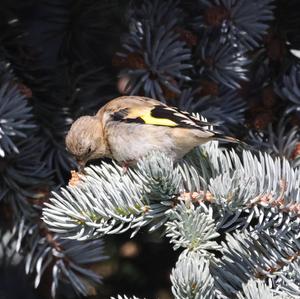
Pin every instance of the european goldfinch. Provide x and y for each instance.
(129, 127)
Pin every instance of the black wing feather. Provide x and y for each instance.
(121, 115)
(182, 118)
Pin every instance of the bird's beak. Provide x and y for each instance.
(81, 165)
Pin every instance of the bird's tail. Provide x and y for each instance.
(221, 137)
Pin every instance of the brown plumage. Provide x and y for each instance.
(128, 128)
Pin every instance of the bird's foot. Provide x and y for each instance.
(125, 166)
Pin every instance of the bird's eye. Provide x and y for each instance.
(89, 150)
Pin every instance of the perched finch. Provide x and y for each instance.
(129, 127)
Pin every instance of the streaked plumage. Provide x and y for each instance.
(128, 128)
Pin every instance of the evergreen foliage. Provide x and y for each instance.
(231, 215)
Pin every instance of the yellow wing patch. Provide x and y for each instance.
(150, 120)
(159, 115)
(145, 113)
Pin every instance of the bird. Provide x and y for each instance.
(128, 128)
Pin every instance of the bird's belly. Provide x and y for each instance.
(130, 143)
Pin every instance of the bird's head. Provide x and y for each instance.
(85, 140)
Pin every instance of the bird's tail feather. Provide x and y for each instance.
(221, 137)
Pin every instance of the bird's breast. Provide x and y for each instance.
(130, 142)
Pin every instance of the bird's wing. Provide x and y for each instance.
(151, 112)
